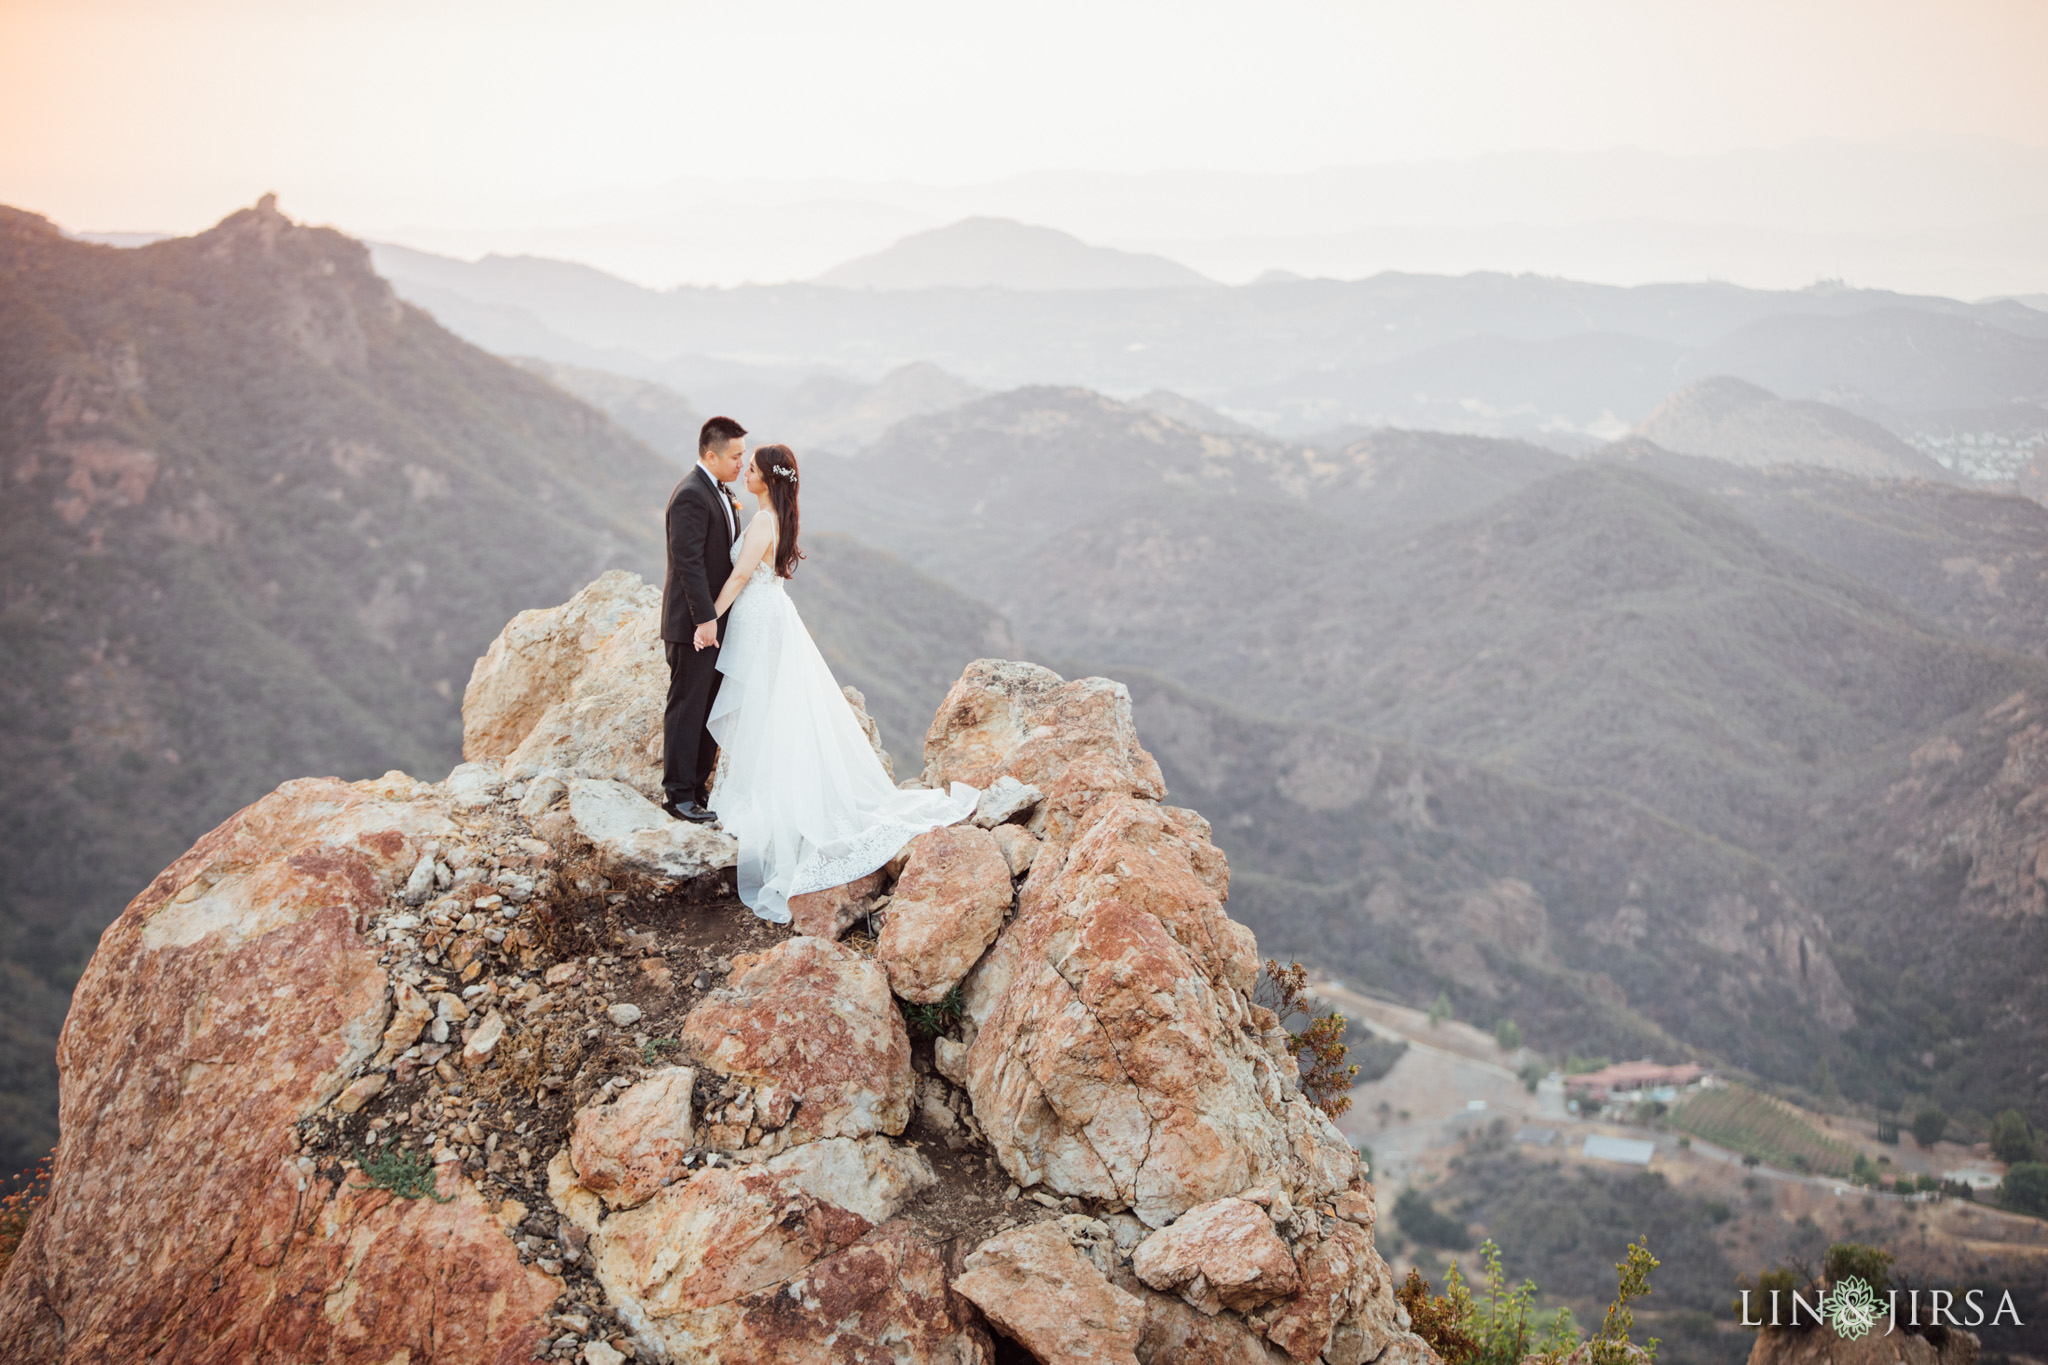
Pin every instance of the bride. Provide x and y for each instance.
(797, 784)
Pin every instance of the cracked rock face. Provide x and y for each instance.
(175, 1048)
(627, 1150)
(809, 1026)
(735, 1230)
(947, 908)
(1223, 1254)
(1073, 741)
(577, 688)
(1117, 1056)
(1050, 1299)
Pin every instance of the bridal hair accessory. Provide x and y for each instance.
(789, 474)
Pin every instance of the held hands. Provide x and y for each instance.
(706, 635)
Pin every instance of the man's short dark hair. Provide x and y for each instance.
(717, 432)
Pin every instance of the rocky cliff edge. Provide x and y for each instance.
(495, 1068)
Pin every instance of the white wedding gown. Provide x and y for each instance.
(798, 784)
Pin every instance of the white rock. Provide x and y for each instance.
(471, 785)
(420, 884)
(601, 1353)
(631, 833)
(623, 1014)
(1004, 800)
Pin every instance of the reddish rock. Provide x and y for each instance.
(1157, 859)
(1223, 1254)
(1116, 1053)
(1050, 1299)
(1074, 741)
(947, 908)
(1176, 1334)
(625, 1149)
(810, 1025)
(882, 1300)
(578, 687)
(736, 1230)
(1336, 1278)
(831, 912)
(178, 1226)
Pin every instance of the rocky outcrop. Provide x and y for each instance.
(1073, 741)
(471, 1071)
(579, 689)
(1821, 1346)
(234, 997)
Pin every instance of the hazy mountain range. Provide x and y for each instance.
(1564, 362)
(1921, 214)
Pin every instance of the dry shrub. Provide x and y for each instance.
(1319, 1048)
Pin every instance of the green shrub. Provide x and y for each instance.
(929, 1021)
(1610, 1344)
(1421, 1219)
(2026, 1188)
(1439, 1009)
(406, 1173)
(1532, 1074)
(2013, 1139)
(1928, 1125)
(1846, 1260)
(1508, 1035)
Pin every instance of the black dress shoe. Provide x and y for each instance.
(689, 810)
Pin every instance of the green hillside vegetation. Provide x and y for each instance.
(1740, 1119)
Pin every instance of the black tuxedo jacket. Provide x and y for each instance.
(699, 554)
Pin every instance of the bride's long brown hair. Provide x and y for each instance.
(777, 466)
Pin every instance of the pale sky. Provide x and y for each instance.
(453, 115)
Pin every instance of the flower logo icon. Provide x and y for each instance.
(1852, 1308)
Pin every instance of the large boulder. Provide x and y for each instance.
(810, 1029)
(732, 1230)
(946, 909)
(577, 688)
(1073, 741)
(1116, 1054)
(232, 998)
(1050, 1299)
(1223, 1254)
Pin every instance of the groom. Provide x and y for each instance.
(703, 521)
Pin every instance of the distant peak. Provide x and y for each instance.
(1002, 253)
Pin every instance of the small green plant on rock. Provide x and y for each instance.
(652, 1053)
(1611, 1344)
(406, 1173)
(939, 1017)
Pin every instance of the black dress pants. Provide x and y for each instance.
(687, 749)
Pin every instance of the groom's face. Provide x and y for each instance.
(724, 462)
